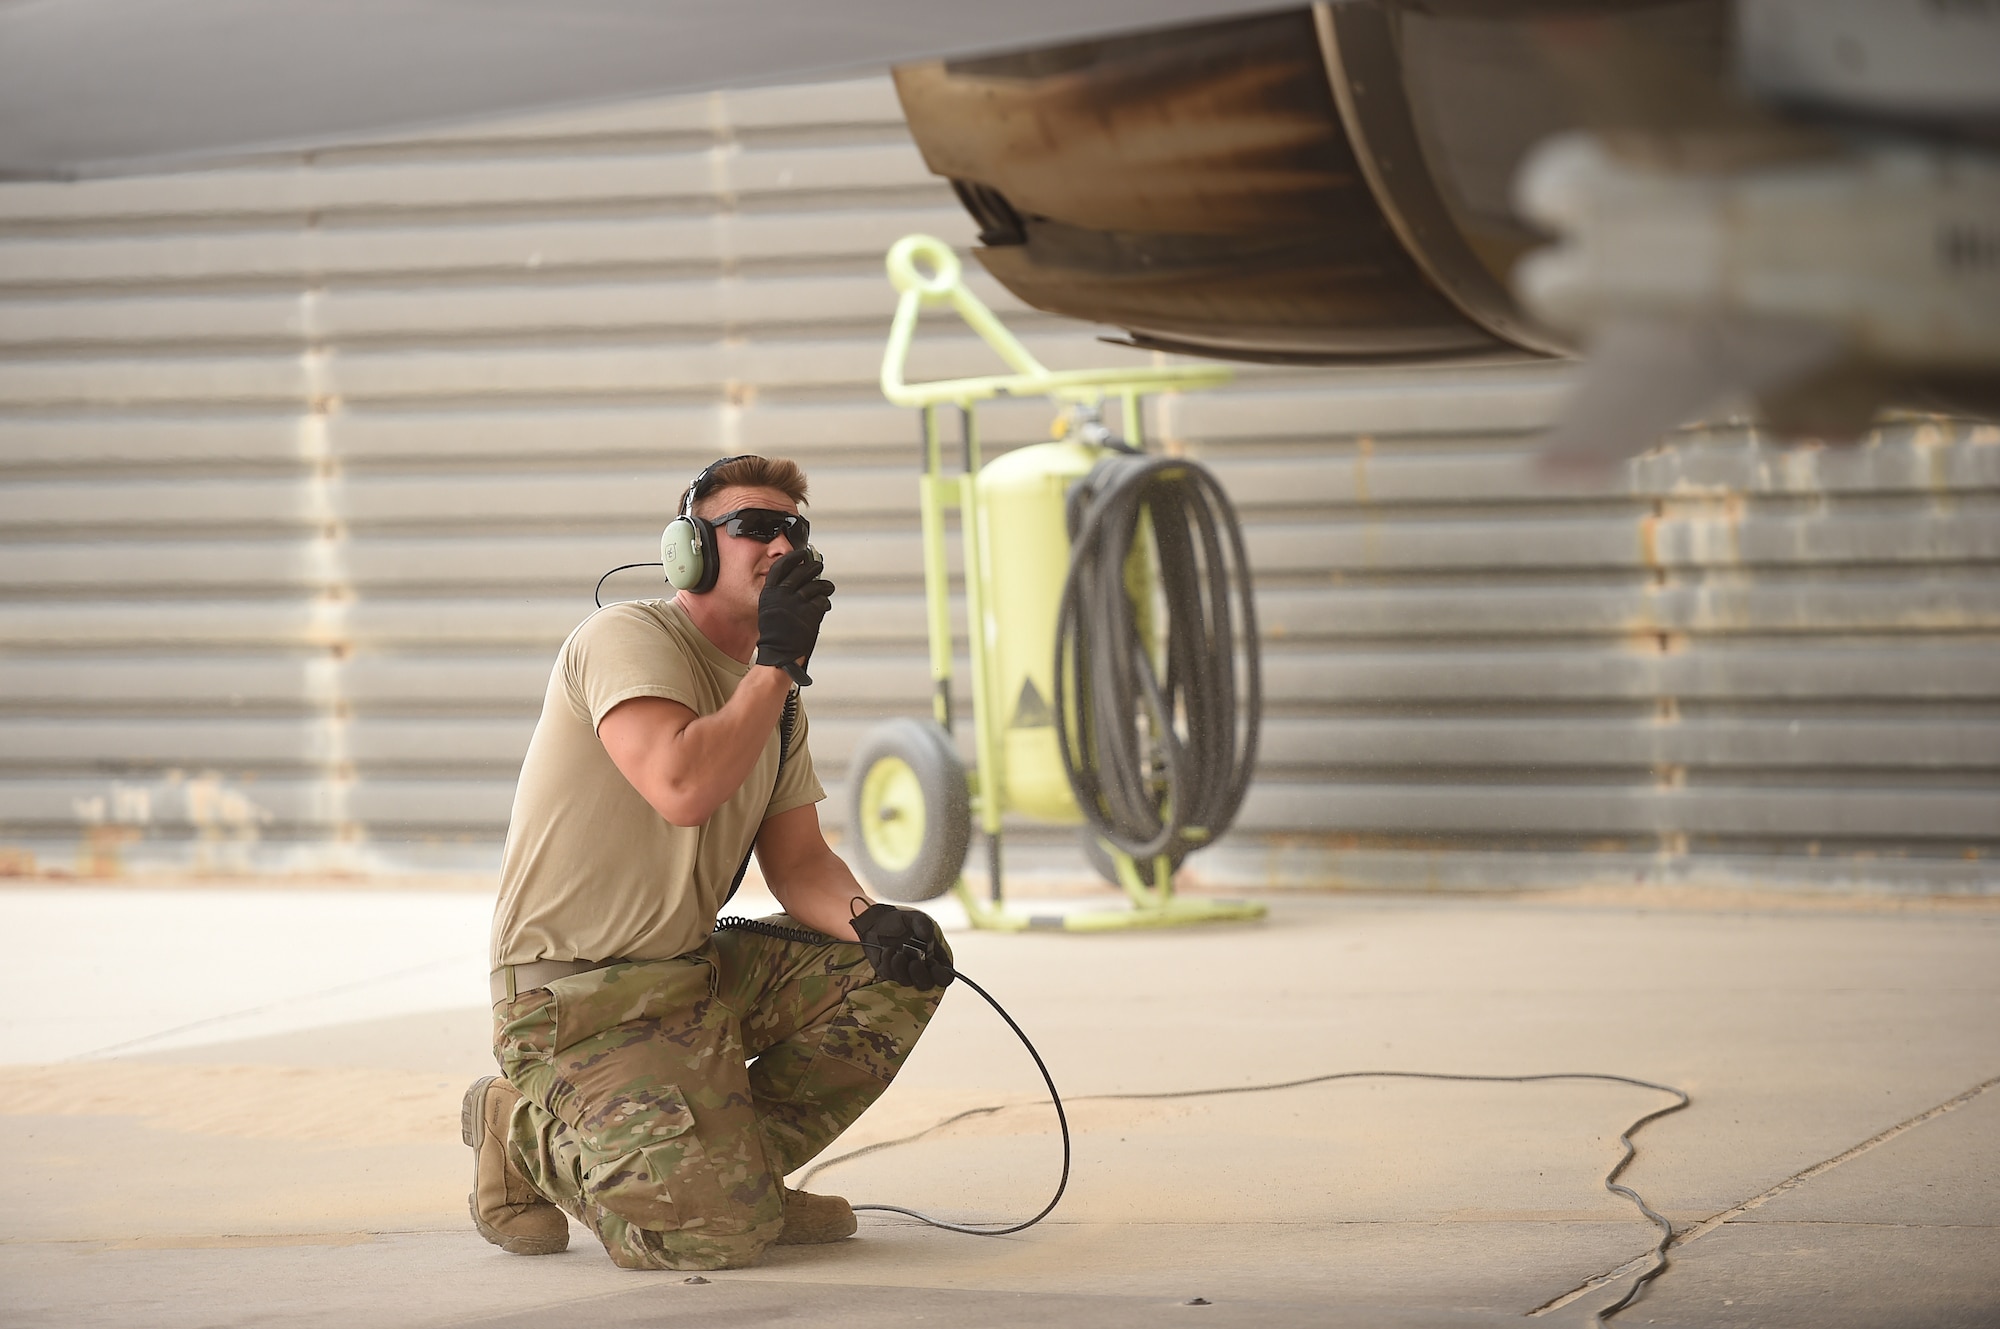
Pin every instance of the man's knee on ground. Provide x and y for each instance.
(689, 1204)
(645, 1225)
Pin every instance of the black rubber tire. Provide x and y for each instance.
(1100, 858)
(947, 810)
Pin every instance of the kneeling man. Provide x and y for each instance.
(663, 1078)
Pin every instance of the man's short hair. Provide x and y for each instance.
(779, 473)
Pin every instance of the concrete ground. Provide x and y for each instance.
(239, 1107)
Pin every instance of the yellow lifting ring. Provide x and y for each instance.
(905, 274)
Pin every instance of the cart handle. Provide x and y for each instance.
(944, 282)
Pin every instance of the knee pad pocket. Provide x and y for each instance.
(639, 1150)
(878, 1028)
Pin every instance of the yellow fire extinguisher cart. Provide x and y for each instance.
(912, 801)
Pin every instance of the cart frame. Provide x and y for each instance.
(1149, 887)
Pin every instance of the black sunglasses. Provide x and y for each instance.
(765, 525)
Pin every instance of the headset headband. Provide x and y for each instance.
(698, 488)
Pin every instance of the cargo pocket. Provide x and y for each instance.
(523, 1031)
(873, 1033)
(666, 992)
(626, 1038)
(640, 1151)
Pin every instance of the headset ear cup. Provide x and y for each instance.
(709, 567)
(684, 555)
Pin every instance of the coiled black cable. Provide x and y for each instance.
(1159, 765)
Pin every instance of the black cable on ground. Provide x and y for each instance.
(808, 937)
(1611, 1182)
(1158, 765)
(1062, 1121)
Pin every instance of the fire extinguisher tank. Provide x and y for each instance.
(1024, 556)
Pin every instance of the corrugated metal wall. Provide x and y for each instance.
(310, 464)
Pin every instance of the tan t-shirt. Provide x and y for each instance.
(591, 871)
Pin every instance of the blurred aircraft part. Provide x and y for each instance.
(1909, 59)
(1252, 188)
(96, 87)
(1824, 287)
(1648, 376)
(1763, 198)
(1898, 245)
(1331, 184)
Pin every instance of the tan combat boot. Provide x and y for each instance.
(812, 1219)
(506, 1208)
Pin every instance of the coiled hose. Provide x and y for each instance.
(1159, 765)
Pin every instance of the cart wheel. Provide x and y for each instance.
(1107, 867)
(910, 811)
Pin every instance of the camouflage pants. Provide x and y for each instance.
(665, 1101)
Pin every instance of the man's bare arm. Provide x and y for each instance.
(686, 765)
(811, 882)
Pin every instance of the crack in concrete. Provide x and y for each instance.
(1854, 1222)
(339, 989)
(1762, 1198)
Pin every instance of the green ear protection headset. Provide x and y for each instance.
(687, 546)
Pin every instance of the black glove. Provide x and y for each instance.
(905, 946)
(789, 609)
